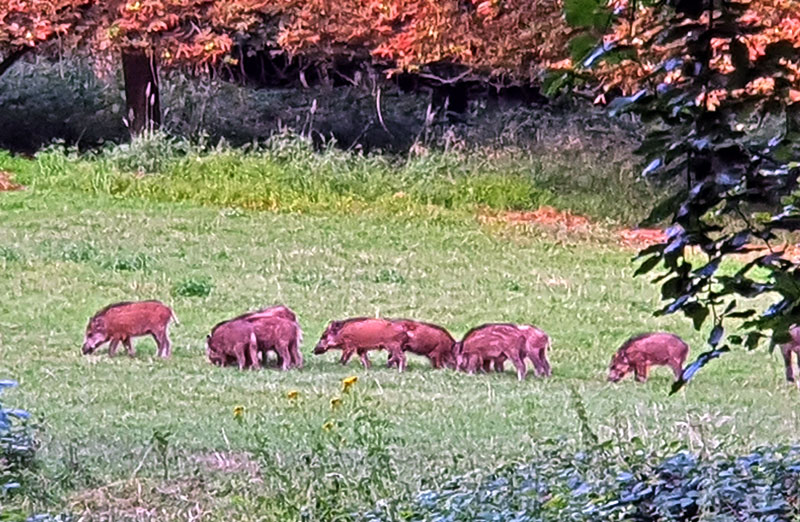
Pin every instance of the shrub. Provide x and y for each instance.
(17, 445)
(628, 483)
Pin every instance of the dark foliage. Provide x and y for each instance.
(731, 150)
(600, 484)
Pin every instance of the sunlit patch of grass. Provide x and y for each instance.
(286, 175)
(99, 415)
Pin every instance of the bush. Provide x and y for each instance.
(17, 446)
(604, 483)
(43, 102)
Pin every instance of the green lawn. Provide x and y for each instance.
(64, 254)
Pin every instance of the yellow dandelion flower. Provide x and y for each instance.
(328, 426)
(238, 412)
(335, 403)
(292, 394)
(348, 382)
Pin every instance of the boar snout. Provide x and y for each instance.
(320, 349)
(91, 342)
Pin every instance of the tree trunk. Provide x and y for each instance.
(12, 58)
(141, 91)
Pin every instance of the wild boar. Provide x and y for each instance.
(495, 342)
(119, 322)
(429, 340)
(233, 342)
(535, 346)
(279, 335)
(641, 352)
(362, 334)
(281, 311)
(293, 337)
(793, 346)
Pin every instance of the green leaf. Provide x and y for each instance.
(581, 45)
(581, 13)
(647, 265)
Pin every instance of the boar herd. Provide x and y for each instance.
(250, 340)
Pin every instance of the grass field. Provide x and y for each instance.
(111, 429)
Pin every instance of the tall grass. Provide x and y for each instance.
(286, 174)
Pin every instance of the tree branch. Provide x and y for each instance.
(12, 58)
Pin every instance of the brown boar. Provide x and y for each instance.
(119, 322)
(495, 342)
(293, 339)
(535, 346)
(793, 346)
(284, 312)
(537, 343)
(641, 352)
(281, 336)
(233, 342)
(429, 340)
(360, 335)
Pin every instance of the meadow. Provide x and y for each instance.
(148, 439)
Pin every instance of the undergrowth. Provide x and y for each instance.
(613, 481)
(286, 174)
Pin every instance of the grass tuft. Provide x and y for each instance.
(193, 287)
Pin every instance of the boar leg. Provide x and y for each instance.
(399, 357)
(546, 370)
(796, 350)
(500, 364)
(522, 368)
(437, 359)
(640, 371)
(129, 346)
(471, 364)
(487, 365)
(112, 347)
(533, 357)
(787, 361)
(241, 359)
(285, 356)
(347, 353)
(677, 369)
(251, 356)
(162, 341)
(297, 357)
(167, 345)
(365, 359)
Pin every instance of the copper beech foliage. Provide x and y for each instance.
(640, 27)
(519, 38)
(515, 38)
(179, 31)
